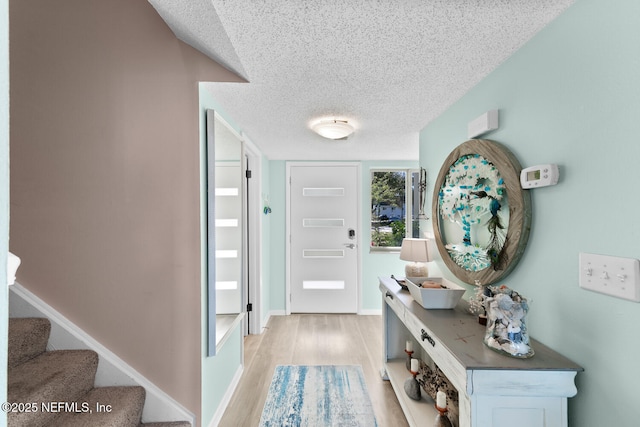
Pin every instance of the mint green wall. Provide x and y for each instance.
(217, 371)
(372, 265)
(4, 192)
(571, 96)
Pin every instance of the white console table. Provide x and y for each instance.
(494, 390)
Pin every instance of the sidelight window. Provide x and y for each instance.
(394, 207)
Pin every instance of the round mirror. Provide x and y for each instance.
(481, 215)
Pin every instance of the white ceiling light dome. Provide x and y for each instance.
(333, 128)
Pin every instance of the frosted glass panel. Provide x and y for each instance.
(323, 253)
(321, 222)
(323, 192)
(323, 284)
(226, 191)
(226, 222)
(226, 286)
(227, 254)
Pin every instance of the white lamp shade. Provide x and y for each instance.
(416, 250)
(333, 129)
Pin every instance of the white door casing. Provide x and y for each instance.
(253, 230)
(323, 229)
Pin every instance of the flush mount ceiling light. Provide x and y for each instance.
(332, 128)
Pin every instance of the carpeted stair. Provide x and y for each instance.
(55, 388)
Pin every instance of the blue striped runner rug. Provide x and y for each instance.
(318, 396)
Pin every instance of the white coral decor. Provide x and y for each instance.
(472, 191)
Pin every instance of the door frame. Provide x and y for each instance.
(358, 166)
(252, 247)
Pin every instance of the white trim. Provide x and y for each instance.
(287, 251)
(254, 249)
(227, 125)
(112, 371)
(239, 318)
(289, 165)
(226, 399)
(370, 312)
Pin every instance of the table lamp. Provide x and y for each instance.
(416, 251)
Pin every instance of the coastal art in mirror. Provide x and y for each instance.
(481, 215)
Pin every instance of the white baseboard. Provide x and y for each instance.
(371, 312)
(217, 417)
(265, 321)
(112, 371)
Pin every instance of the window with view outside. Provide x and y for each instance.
(391, 221)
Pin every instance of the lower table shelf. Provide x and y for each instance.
(492, 389)
(416, 411)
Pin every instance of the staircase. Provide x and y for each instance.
(56, 388)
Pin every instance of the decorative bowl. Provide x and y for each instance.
(445, 296)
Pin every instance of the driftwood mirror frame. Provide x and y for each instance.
(519, 204)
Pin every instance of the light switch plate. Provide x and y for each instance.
(615, 276)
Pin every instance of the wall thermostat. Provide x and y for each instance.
(539, 176)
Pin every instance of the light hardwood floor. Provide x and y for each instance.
(313, 339)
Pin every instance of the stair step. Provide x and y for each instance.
(106, 407)
(54, 376)
(59, 385)
(27, 339)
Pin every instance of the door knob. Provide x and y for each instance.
(350, 245)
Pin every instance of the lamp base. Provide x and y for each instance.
(416, 269)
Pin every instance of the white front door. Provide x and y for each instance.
(323, 230)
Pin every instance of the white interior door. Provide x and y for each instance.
(324, 233)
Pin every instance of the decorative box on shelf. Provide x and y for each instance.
(434, 292)
(493, 389)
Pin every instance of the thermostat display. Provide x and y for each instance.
(539, 176)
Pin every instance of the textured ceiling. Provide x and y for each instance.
(387, 66)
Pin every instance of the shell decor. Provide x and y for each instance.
(506, 322)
